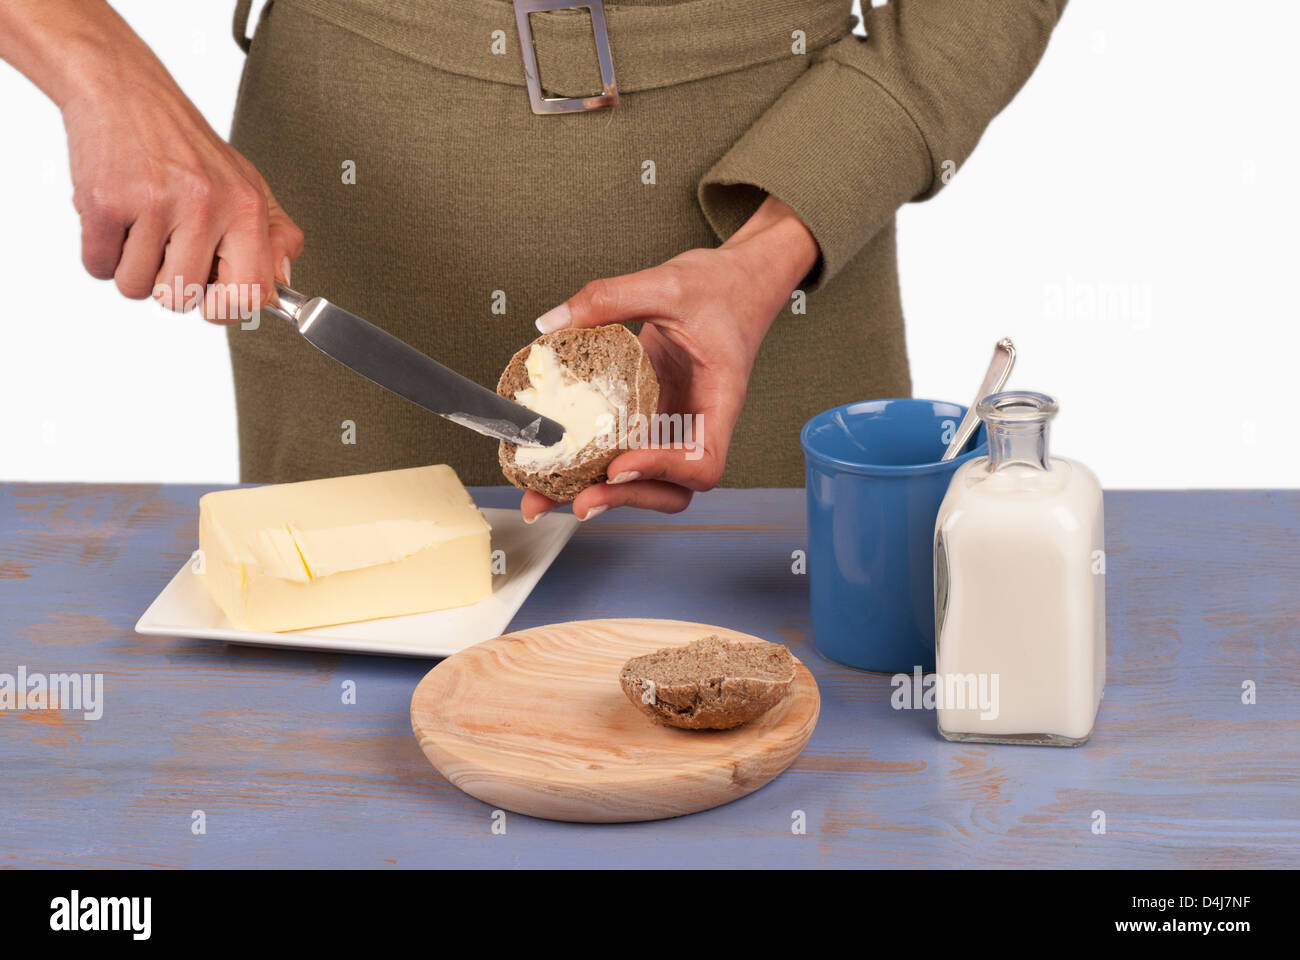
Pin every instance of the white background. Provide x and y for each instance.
(1130, 221)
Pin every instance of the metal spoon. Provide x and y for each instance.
(1004, 357)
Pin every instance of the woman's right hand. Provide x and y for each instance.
(166, 205)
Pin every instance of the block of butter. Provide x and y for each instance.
(296, 555)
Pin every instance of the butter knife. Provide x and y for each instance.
(382, 358)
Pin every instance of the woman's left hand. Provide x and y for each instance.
(705, 313)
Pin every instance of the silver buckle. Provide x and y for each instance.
(544, 104)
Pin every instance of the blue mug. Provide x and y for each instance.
(874, 484)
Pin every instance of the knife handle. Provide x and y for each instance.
(289, 305)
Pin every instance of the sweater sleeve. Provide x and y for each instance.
(878, 121)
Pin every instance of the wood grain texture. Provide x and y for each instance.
(536, 722)
(1201, 597)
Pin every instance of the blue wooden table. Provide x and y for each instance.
(1204, 597)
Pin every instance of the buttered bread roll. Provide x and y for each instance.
(595, 383)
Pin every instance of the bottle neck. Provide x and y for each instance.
(1023, 443)
(1016, 424)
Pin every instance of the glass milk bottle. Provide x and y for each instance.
(1019, 587)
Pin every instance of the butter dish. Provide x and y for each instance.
(185, 608)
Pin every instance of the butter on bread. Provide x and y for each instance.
(604, 381)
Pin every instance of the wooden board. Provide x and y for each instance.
(535, 722)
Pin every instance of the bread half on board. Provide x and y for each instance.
(710, 683)
(598, 377)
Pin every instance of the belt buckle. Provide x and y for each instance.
(543, 104)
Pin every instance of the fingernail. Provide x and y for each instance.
(554, 319)
(594, 512)
(532, 519)
(284, 269)
(627, 476)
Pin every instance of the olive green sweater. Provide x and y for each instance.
(468, 216)
(881, 121)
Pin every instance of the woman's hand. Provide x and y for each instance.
(705, 314)
(165, 203)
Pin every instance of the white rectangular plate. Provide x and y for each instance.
(184, 608)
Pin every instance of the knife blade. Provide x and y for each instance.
(395, 365)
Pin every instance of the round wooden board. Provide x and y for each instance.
(536, 722)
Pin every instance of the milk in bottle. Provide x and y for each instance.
(1020, 595)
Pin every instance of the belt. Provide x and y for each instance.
(644, 46)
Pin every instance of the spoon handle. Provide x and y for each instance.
(1004, 358)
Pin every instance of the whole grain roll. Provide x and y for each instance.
(710, 683)
(611, 355)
